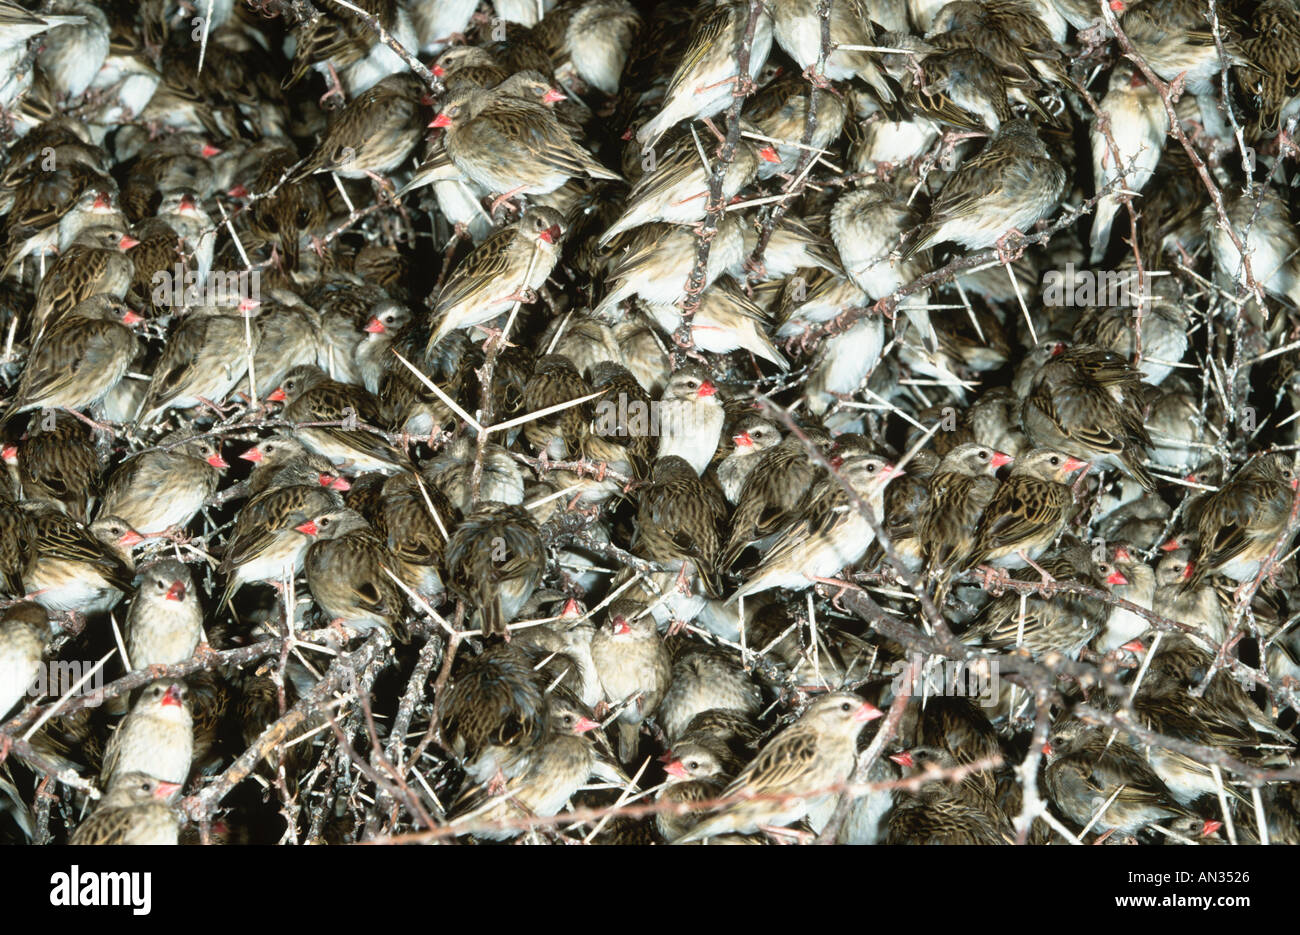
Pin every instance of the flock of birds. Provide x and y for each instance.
(649, 394)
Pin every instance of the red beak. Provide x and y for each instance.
(439, 71)
(903, 759)
(743, 440)
(553, 95)
(103, 201)
(868, 712)
(131, 318)
(165, 790)
(675, 768)
(10, 453)
(837, 462)
(585, 724)
(1073, 464)
(176, 592)
(1210, 827)
(253, 454)
(209, 151)
(218, 462)
(1187, 572)
(188, 205)
(237, 191)
(1122, 555)
(570, 609)
(308, 528)
(768, 154)
(277, 396)
(706, 389)
(1047, 749)
(130, 538)
(1000, 458)
(551, 234)
(442, 120)
(1134, 646)
(127, 242)
(375, 326)
(1118, 6)
(340, 483)
(1116, 578)
(621, 626)
(1169, 546)
(173, 696)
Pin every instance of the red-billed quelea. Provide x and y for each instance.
(690, 417)
(634, 670)
(794, 775)
(163, 488)
(82, 569)
(24, 628)
(494, 560)
(1028, 512)
(347, 570)
(165, 623)
(134, 810)
(155, 738)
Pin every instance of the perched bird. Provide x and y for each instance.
(80, 359)
(705, 679)
(156, 738)
(24, 628)
(347, 573)
(373, 134)
(1008, 187)
(1238, 526)
(512, 261)
(165, 623)
(204, 359)
(133, 810)
(634, 670)
(753, 435)
(57, 461)
(690, 417)
(83, 569)
(696, 773)
(938, 812)
(960, 489)
(495, 713)
(676, 523)
(1028, 511)
(310, 396)
(703, 79)
(495, 560)
(794, 774)
(94, 264)
(164, 487)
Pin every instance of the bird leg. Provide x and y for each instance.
(1078, 481)
(503, 198)
(1004, 253)
(819, 81)
(683, 581)
(335, 89)
(525, 296)
(717, 134)
(994, 579)
(842, 586)
(1048, 580)
(497, 784)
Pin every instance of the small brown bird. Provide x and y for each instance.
(1239, 525)
(310, 396)
(677, 522)
(1027, 513)
(134, 810)
(155, 738)
(696, 773)
(794, 775)
(77, 568)
(203, 360)
(512, 261)
(373, 134)
(96, 263)
(690, 417)
(165, 623)
(345, 566)
(941, 812)
(24, 628)
(278, 459)
(774, 492)
(164, 487)
(494, 713)
(752, 436)
(413, 520)
(556, 381)
(79, 360)
(634, 670)
(960, 490)
(705, 679)
(495, 560)
(57, 461)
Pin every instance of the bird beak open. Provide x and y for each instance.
(308, 528)
(675, 768)
(1000, 458)
(554, 95)
(130, 538)
(127, 242)
(218, 462)
(551, 234)
(768, 154)
(868, 712)
(176, 592)
(173, 696)
(903, 759)
(1115, 577)
(442, 120)
(253, 454)
(585, 724)
(375, 326)
(743, 440)
(103, 202)
(277, 396)
(706, 389)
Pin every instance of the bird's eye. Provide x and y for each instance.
(984, 455)
(324, 521)
(845, 706)
(1055, 460)
(303, 217)
(161, 586)
(144, 787)
(692, 764)
(871, 469)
